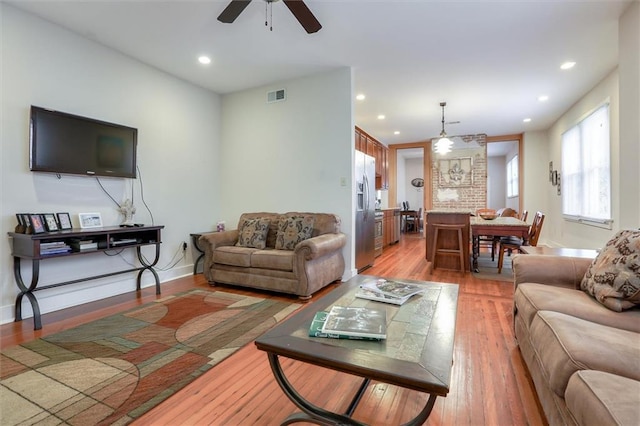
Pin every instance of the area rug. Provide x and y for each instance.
(111, 371)
(489, 269)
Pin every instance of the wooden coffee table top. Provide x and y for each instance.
(418, 351)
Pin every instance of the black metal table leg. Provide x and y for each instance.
(313, 414)
(148, 267)
(27, 291)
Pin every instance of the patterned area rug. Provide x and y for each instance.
(489, 269)
(113, 370)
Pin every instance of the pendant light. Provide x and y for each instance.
(443, 145)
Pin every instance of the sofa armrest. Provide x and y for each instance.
(320, 245)
(209, 242)
(552, 270)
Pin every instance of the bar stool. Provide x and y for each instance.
(459, 251)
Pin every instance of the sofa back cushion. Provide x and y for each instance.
(292, 230)
(323, 223)
(253, 233)
(614, 276)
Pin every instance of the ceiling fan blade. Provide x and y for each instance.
(303, 15)
(231, 12)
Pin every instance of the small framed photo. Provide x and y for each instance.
(26, 219)
(37, 224)
(50, 222)
(90, 220)
(64, 220)
(19, 217)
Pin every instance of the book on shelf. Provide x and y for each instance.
(315, 329)
(395, 292)
(356, 322)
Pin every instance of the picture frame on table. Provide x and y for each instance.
(37, 223)
(90, 220)
(50, 222)
(64, 220)
(20, 227)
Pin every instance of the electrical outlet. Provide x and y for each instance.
(184, 246)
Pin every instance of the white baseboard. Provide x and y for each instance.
(58, 298)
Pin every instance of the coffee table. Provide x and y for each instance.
(417, 354)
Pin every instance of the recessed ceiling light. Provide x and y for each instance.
(360, 97)
(567, 65)
(543, 98)
(527, 120)
(381, 117)
(204, 60)
(397, 132)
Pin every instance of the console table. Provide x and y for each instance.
(36, 247)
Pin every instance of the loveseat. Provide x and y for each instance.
(296, 253)
(583, 352)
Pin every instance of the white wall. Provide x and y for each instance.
(629, 71)
(291, 155)
(496, 182)
(537, 191)
(178, 138)
(572, 234)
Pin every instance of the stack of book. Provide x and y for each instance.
(54, 247)
(382, 290)
(84, 245)
(348, 322)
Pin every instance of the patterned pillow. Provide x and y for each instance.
(292, 230)
(614, 276)
(253, 233)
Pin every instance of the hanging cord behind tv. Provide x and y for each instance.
(141, 194)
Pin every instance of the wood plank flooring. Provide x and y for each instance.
(490, 384)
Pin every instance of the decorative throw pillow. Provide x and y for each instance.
(614, 276)
(253, 233)
(292, 230)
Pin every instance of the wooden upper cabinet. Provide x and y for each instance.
(370, 146)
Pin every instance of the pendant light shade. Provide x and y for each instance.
(443, 145)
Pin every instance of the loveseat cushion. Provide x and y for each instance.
(598, 398)
(292, 230)
(565, 344)
(233, 256)
(530, 298)
(281, 260)
(253, 233)
(614, 276)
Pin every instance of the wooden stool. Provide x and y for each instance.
(459, 251)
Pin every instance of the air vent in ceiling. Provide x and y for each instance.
(276, 96)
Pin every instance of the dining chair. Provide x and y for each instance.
(487, 241)
(524, 215)
(513, 243)
(413, 221)
(507, 212)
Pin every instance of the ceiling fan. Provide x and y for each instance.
(297, 7)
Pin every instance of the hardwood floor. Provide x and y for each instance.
(490, 384)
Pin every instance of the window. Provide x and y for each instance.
(512, 177)
(586, 174)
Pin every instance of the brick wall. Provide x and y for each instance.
(460, 176)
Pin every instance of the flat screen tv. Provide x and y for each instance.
(69, 144)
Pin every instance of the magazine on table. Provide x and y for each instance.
(315, 330)
(395, 292)
(357, 322)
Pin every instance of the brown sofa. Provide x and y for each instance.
(584, 358)
(306, 268)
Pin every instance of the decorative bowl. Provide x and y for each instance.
(488, 216)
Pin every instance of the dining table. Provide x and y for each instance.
(497, 227)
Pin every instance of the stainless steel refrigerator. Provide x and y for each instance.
(365, 210)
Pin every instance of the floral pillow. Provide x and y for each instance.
(292, 230)
(253, 233)
(614, 276)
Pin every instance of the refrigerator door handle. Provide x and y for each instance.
(366, 197)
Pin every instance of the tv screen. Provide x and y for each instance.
(69, 144)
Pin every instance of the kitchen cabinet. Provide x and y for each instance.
(391, 226)
(370, 146)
